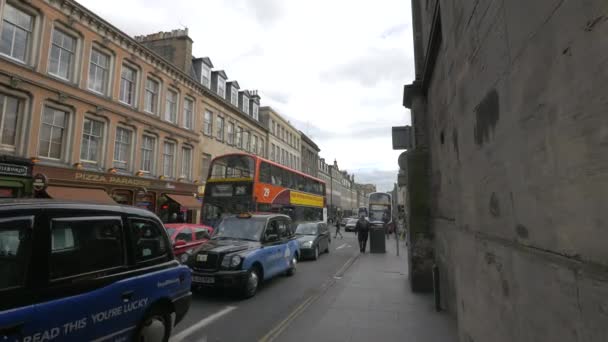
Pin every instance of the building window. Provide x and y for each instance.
(208, 124)
(171, 107)
(122, 148)
(52, 133)
(168, 159)
(205, 165)
(262, 147)
(63, 49)
(206, 76)
(128, 80)
(17, 27)
(245, 107)
(148, 149)
(220, 128)
(221, 87)
(239, 137)
(254, 144)
(272, 152)
(188, 114)
(256, 114)
(246, 141)
(230, 133)
(186, 163)
(10, 110)
(234, 96)
(99, 71)
(92, 141)
(151, 97)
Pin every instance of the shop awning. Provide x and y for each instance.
(79, 194)
(186, 201)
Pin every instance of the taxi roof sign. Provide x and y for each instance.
(244, 215)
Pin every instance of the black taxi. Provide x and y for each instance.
(83, 272)
(244, 250)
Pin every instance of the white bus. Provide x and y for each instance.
(380, 208)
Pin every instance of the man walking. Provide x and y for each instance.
(386, 218)
(362, 230)
(338, 223)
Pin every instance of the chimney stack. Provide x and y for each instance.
(174, 46)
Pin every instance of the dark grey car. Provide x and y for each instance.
(314, 238)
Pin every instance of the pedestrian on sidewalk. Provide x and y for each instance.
(362, 231)
(338, 230)
(386, 218)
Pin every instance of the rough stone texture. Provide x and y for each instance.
(517, 131)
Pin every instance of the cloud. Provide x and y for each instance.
(266, 12)
(276, 95)
(393, 30)
(335, 69)
(384, 180)
(254, 51)
(376, 65)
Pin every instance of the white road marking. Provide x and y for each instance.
(342, 246)
(203, 323)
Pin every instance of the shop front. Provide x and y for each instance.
(15, 177)
(178, 208)
(170, 200)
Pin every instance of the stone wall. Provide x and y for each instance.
(518, 164)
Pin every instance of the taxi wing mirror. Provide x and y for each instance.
(179, 243)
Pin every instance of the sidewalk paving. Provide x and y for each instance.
(373, 302)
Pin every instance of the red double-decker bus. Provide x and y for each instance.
(242, 182)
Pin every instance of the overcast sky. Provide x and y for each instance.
(335, 69)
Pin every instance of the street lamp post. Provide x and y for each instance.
(331, 190)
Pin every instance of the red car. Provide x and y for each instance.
(186, 237)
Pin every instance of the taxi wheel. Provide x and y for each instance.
(252, 284)
(155, 327)
(294, 265)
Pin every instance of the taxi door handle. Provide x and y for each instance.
(127, 296)
(11, 329)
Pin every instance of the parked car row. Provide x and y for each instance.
(117, 271)
(247, 249)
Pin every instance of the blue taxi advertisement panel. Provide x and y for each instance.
(110, 313)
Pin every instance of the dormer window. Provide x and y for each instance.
(245, 104)
(255, 111)
(234, 96)
(221, 87)
(206, 76)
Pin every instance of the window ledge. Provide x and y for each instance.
(17, 62)
(98, 94)
(52, 162)
(63, 80)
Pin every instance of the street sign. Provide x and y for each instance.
(40, 182)
(402, 137)
(13, 170)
